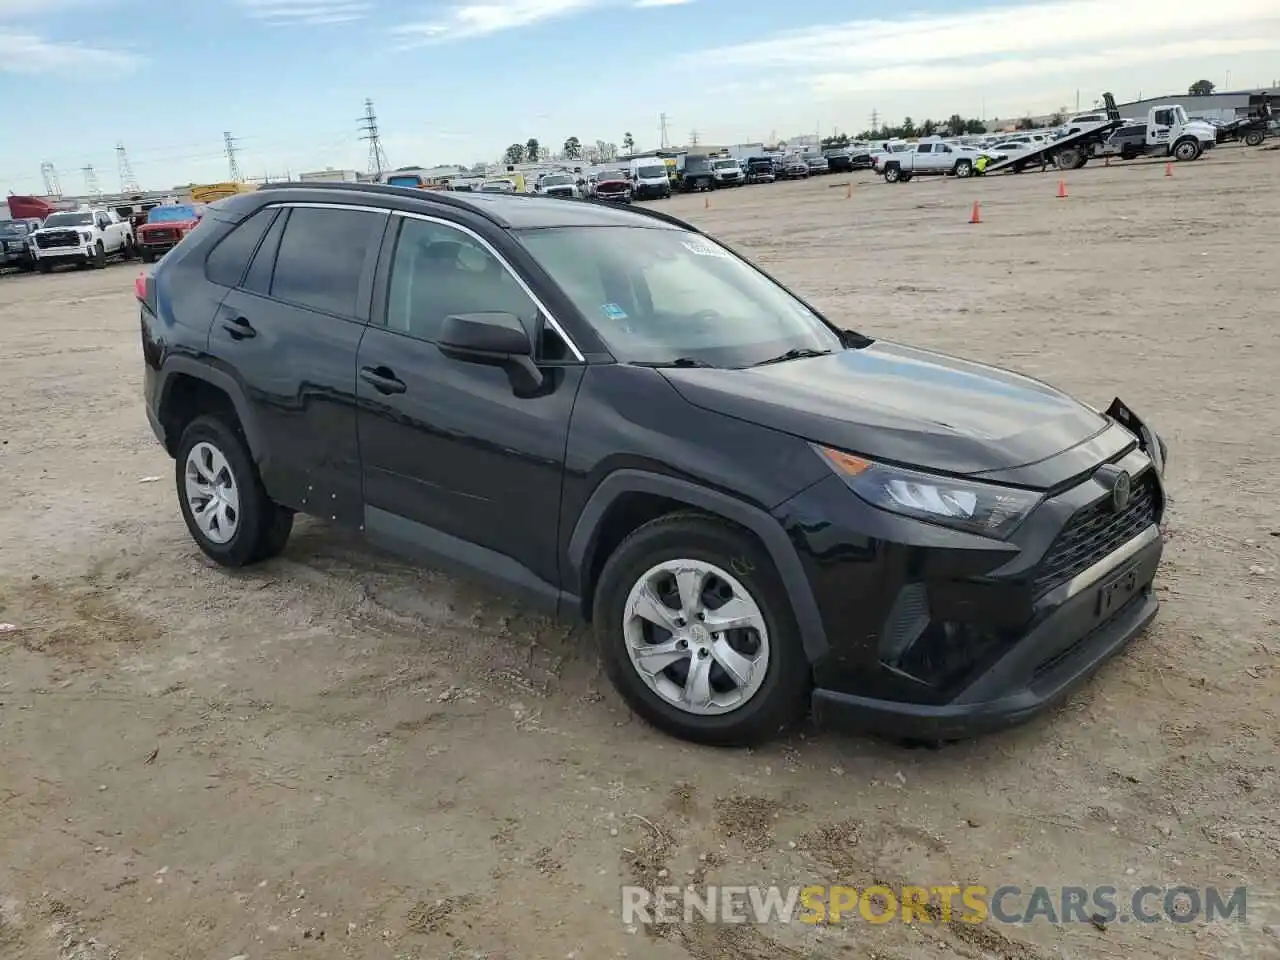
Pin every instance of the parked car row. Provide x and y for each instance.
(92, 236)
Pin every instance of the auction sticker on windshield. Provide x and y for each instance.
(613, 312)
(704, 249)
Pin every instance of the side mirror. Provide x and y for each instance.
(494, 339)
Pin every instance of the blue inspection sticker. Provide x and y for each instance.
(613, 312)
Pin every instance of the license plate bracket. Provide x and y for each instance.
(1115, 591)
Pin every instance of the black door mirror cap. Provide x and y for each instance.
(495, 336)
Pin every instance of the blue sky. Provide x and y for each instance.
(458, 81)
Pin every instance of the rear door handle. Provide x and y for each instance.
(239, 328)
(382, 379)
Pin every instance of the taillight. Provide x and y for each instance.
(140, 286)
(144, 289)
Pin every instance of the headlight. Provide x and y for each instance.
(86, 237)
(981, 508)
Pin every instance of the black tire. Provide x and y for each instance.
(905, 178)
(1186, 150)
(99, 256)
(148, 256)
(783, 695)
(45, 266)
(964, 168)
(1254, 139)
(892, 173)
(263, 526)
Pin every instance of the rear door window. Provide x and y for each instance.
(322, 258)
(258, 279)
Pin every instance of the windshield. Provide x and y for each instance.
(556, 180)
(68, 220)
(408, 181)
(726, 164)
(696, 164)
(656, 296)
(14, 228)
(648, 173)
(171, 214)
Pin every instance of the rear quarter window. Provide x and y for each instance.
(229, 259)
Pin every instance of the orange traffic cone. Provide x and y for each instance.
(1106, 161)
(976, 216)
(706, 203)
(1168, 169)
(848, 191)
(1062, 189)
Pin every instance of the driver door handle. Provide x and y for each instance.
(382, 379)
(239, 328)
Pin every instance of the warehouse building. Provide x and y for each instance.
(1223, 107)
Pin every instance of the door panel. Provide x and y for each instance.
(456, 452)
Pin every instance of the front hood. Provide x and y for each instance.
(896, 403)
(175, 225)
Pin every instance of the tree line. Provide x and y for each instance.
(531, 151)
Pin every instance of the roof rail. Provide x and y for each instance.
(383, 189)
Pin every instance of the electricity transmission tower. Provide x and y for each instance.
(128, 182)
(663, 141)
(693, 138)
(875, 120)
(369, 131)
(52, 188)
(91, 181)
(229, 148)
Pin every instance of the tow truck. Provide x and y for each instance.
(1069, 151)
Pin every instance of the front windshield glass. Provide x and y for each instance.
(658, 295)
(68, 220)
(648, 173)
(13, 228)
(726, 164)
(171, 214)
(556, 180)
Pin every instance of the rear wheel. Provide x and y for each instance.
(224, 504)
(1254, 139)
(696, 632)
(964, 168)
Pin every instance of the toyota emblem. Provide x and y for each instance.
(1121, 489)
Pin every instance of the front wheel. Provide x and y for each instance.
(1186, 150)
(99, 256)
(45, 266)
(223, 502)
(891, 174)
(148, 256)
(696, 632)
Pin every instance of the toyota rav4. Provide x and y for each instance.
(613, 414)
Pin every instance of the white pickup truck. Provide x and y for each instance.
(87, 236)
(930, 157)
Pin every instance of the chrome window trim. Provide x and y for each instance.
(550, 318)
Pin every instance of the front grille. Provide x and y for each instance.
(63, 238)
(1094, 532)
(158, 236)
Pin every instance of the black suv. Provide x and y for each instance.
(620, 418)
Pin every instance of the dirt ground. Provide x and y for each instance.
(338, 755)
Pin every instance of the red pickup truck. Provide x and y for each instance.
(165, 227)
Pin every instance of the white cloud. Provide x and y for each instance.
(643, 4)
(29, 53)
(986, 35)
(482, 19)
(307, 12)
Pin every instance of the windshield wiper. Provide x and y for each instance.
(795, 353)
(677, 362)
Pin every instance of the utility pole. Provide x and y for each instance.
(875, 120)
(693, 138)
(128, 182)
(91, 181)
(229, 148)
(369, 131)
(52, 188)
(663, 142)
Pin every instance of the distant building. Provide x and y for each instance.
(329, 174)
(1214, 106)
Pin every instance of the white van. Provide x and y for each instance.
(649, 178)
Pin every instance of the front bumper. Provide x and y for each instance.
(934, 633)
(81, 254)
(1068, 646)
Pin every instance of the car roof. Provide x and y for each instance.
(514, 211)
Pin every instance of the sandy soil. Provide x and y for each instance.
(338, 755)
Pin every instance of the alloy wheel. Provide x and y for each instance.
(696, 637)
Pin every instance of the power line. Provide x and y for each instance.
(128, 182)
(52, 188)
(91, 181)
(369, 131)
(229, 148)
